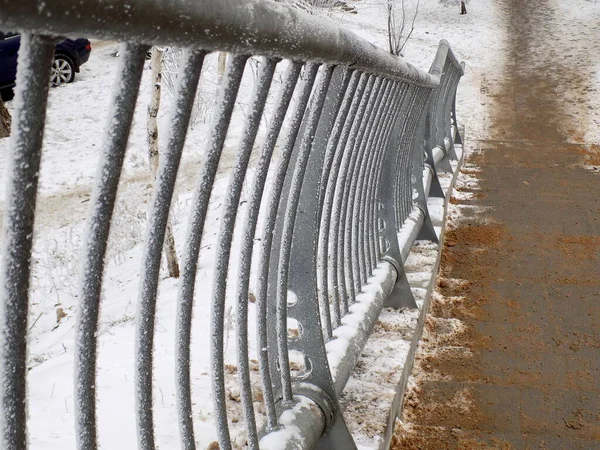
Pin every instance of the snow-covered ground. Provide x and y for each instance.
(76, 118)
(380, 372)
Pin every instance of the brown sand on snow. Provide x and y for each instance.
(510, 357)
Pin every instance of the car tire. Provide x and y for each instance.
(7, 94)
(63, 70)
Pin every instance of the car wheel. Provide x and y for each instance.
(7, 94)
(63, 70)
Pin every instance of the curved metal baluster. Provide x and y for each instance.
(405, 152)
(185, 93)
(109, 171)
(219, 127)
(337, 227)
(347, 91)
(307, 82)
(33, 79)
(311, 120)
(283, 102)
(356, 206)
(328, 232)
(365, 180)
(391, 122)
(221, 265)
(352, 275)
(401, 211)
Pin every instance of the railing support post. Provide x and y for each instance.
(401, 295)
(301, 271)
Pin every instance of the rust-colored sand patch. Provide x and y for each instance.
(587, 247)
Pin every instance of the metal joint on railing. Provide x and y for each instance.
(321, 398)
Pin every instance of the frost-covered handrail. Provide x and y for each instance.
(336, 200)
(445, 56)
(255, 27)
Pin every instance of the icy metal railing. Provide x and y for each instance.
(347, 201)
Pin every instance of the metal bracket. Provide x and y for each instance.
(337, 437)
(401, 296)
(457, 139)
(450, 152)
(435, 189)
(317, 382)
(427, 232)
(443, 165)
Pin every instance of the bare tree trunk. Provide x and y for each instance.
(5, 120)
(170, 252)
(153, 153)
(222, 64)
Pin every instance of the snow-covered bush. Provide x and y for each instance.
(207, 89)
(56, 264)
(129, 220)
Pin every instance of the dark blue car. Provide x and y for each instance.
(68, 57)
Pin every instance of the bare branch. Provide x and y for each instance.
(398, 27)
(390, 26)
(412, 28)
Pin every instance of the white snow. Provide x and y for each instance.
(76, 117)
(355, 319)
(289, 432)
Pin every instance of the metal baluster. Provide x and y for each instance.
(352, 275)
(305, 88)
(385, 158)
(325, 239)
(221, 266)
(311, 120)
(404, 207)
(347, 91)
(219, 127)
(157, 223)
(339, 207)
(368, 178)
(423, 96)
(102, 205)
(406, 149)
(450, 94)
(189, 75)
(401, 211)
(283, 102)
(357, 243)
(33, 79)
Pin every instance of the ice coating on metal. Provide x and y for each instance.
(125, 92)
(257, 27)
(23, 176)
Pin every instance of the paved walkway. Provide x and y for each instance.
(524, 372)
